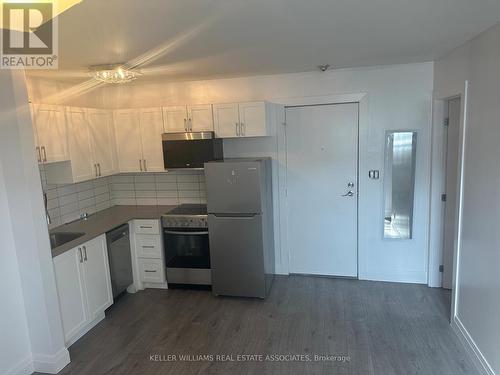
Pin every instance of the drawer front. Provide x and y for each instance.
(147, 227)
(151, 270)
(148, 246)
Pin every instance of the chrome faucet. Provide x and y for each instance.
(47, 216)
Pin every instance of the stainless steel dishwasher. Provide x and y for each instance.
(120, 259)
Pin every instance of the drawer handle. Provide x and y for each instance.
(149, 271)
(146, 227)
(148, 247)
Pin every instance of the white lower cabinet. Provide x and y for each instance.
(150, 257)
(84, 287)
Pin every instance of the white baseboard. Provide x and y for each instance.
(25, 367)
(51, 364)
(87, 328)
(477, 357)
(410, 277)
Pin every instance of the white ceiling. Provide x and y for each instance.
(195, 39)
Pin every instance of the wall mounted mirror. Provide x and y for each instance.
(399, 183)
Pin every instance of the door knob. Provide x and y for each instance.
(350, 193)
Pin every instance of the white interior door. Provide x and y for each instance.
(451, 184)
(322, 160)
(152, 149)
(128, 140)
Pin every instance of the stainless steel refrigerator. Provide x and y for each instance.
(240, 226)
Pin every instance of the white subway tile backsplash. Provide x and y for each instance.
(67, 202)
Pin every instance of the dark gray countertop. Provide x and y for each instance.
(103, 221)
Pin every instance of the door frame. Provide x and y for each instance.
(283, 266)
(438, 175)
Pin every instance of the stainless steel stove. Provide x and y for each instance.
(186, 245)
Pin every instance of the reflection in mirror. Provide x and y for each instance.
(399, 183)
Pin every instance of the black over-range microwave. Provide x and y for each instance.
(190, 150)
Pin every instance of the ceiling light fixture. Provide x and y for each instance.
(113, 73)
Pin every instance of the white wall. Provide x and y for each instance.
(398, 97)
(21, 187)
(15, 349)
(478, 283)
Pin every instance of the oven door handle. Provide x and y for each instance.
(185, 233)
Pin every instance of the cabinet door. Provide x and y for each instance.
(82, 164)
(71, 292)
(175, 119)
(102, 138)
(253, 121)
(97, 277)
(226, 120)
(128, 140)
(200, 118)
(51, 132)
(151, 130)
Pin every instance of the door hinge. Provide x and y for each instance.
(443, 197)
(441, 268)
(446, 122)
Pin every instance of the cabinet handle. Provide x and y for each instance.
(242, 129)
(149, 271)
(145, 227)
(38, 154)
(99, 165)
(148, 247)
(95, 169)
(85, 253)
(237, 129)
(190, 125)
(185, 125)
(140, 164)
(80, 254)
(44, 154)
(145, 165)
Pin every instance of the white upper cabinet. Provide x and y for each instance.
(151, 121)
(193, 118)
(175, 119)
(200, 118)
(226, 120)
(103, 141)
(253, 119)
(138, 139)
(128, 140)
(50, 133)
(242, 120)
(80, 148)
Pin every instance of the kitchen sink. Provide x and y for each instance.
(60, 238)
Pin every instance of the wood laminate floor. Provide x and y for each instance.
(382, 329)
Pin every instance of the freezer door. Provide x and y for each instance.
(236, 256)
(233, 188)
